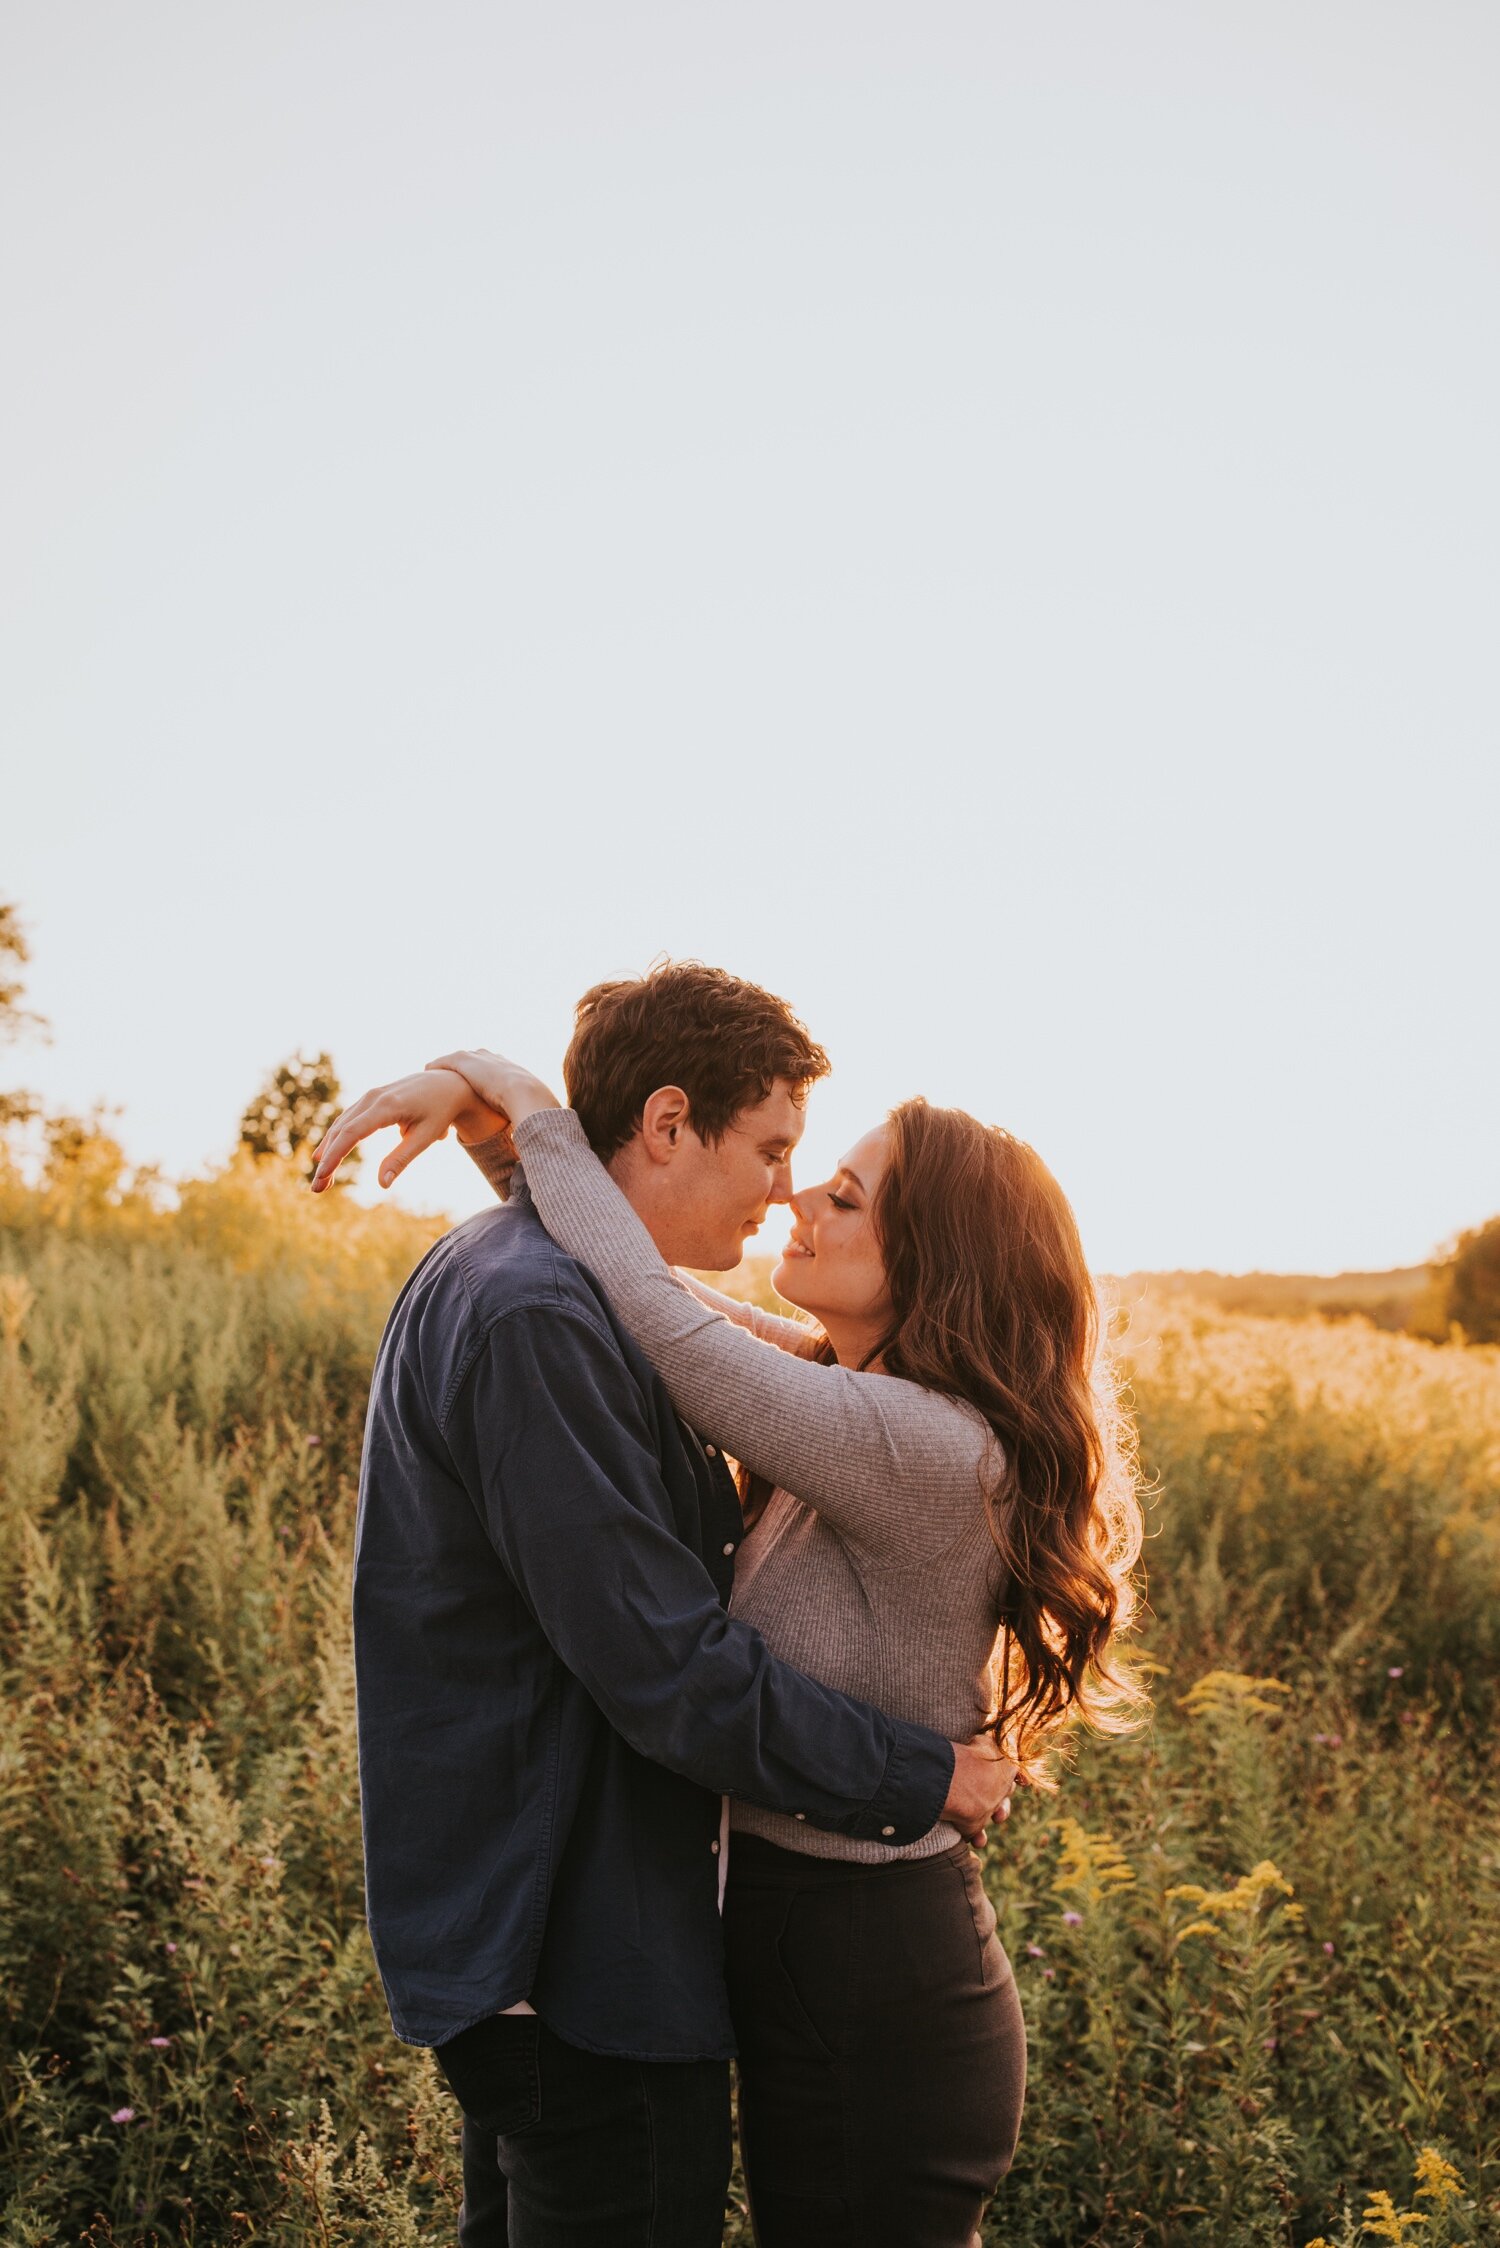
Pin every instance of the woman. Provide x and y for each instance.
(943, 1520)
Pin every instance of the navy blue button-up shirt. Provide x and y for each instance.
(551, 1695)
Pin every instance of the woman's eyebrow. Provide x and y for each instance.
(844, 1172)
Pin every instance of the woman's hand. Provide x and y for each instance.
(983, 1777)
(501, 1084)
(423, 1108)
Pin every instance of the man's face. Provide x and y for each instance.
(722, 1191)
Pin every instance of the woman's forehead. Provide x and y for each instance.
(867, 1158)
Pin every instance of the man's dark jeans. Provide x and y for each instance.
(563, 2147)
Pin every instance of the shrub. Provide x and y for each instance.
(1257, 1947)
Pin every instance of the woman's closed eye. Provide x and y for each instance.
(838, 1201)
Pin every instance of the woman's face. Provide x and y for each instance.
(833, 1265)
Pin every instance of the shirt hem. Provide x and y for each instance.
(726, 2051)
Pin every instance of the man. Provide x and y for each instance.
(552, 1697)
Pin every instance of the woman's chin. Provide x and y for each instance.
(787, 1280)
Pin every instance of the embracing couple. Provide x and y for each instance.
(664, 1762)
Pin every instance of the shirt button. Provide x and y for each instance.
(730, 1547)
(887, 1830)
(715, 1848)
(708, 1448)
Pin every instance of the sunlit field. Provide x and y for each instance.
(1258, 1945)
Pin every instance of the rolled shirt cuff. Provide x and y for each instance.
(909, 1801)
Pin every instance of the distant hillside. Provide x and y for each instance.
(1387, 1299)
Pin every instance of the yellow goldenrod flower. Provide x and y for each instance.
(1437, 2180)
(1092, 1865)
(1220, 1692)
(1261, 1881)
(1386, 2222)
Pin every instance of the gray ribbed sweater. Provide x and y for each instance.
(879, 1577)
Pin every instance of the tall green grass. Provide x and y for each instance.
(1258, 1946)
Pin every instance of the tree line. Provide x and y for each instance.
(299, 1099)
(283, 1122)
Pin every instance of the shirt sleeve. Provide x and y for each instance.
(894, 1468)
(551, 1434)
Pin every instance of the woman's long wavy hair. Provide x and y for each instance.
(992, 1302)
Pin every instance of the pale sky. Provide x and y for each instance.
(983, 518)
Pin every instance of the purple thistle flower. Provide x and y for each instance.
(170, 1949)
(1035, 1951)
(1395, 1670)
(1049, 1974)
(315, 1440)
(1269, 2044)
(162, 2044)
(123, 2115)
(1072, 1919)
(1329, 1949)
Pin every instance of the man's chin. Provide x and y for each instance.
(716, 1256)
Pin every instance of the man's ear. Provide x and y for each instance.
(664, 1123)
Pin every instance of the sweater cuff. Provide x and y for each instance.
(550, 1124)
(496, 1157)
(909, 1801)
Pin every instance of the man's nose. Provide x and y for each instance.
(781, 1184)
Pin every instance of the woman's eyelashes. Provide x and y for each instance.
(838, 1201)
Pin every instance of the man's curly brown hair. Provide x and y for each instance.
(724, 1042)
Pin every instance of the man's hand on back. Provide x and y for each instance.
(982, 1781)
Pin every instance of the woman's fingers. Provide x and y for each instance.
(421, 1107)
(487, 1075)
(375, 1111)
(467, 1059)
(346, 1131)
(414, 1137)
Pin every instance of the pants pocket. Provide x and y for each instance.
(494, 2070)
(982, 1912)
(814, 1954)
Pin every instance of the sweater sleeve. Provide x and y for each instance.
(496, 1159)
(894, 1468)
(787, 1334)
